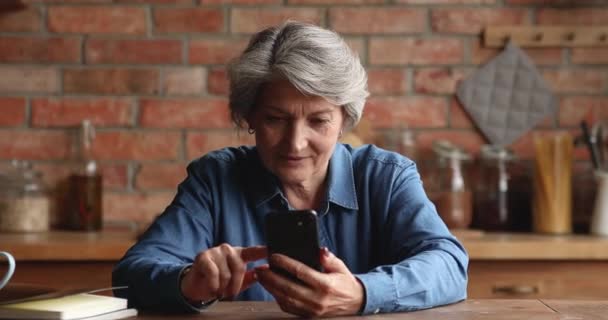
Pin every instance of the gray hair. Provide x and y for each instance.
(314, 60)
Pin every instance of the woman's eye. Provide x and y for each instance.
(273, 119)
(319, 121)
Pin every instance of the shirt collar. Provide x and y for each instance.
(341, 181)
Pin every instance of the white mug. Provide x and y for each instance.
(11, 268)
(599, 220)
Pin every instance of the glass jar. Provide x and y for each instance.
(24, 200)
(502, 191)
(452, 197)
(491, 206)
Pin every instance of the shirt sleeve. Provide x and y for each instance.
(152, 267)
(430, 265)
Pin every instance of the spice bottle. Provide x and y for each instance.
(24, 199)
(85, 187)
(452, 198)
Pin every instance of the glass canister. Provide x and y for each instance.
(503, 191)
(491, 192)
(452, 196)
(24, 200)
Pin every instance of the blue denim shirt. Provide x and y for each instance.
(376, 217)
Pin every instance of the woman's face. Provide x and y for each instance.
(295, 134)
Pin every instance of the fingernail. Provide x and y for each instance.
(326, 252)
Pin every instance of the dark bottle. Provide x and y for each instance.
(85, 188)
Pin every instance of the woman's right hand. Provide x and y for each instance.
(220, 272)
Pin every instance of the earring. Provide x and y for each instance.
(340, 134)
(251, 131)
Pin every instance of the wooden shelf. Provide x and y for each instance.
(68, 246)
(111, 246)
(512, 246)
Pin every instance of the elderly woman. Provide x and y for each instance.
(297, 88)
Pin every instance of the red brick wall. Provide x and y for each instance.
(150, 75)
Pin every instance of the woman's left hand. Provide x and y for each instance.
(335, 292)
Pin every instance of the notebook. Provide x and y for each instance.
(74, 306)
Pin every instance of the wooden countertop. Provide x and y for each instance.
(498, 309)
(111, 245)
(67, 245)
(528, 246)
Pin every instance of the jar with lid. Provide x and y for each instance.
(491, 207)
(451, 196)
(24, 200)
(502, 194)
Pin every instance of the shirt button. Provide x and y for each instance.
(377, 310)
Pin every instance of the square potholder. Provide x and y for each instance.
(507, 96)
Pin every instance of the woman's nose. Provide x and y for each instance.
(297, 137)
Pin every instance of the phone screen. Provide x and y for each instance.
(294, 234)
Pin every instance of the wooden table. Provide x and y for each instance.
(503, 265)
(470, 309)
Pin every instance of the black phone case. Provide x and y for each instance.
(294, 234)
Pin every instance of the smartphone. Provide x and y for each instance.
(293, 233)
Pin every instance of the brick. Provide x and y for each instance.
(67, 111)
(198, 143)
(250, 20)
(590, 55)
(134, 145)
(160, 176)
(554, 2)
(447, 1)
(188, 20)
(97, 19)
(357, 45)
(469, 140)
(39, 49)
(34, 145)
(184, 81)
(246, 2)
(67, 1)
(577, 81)
(573, 16)
(113, 175)
(415, 51)
(218, 82)
(439, 80)
(111, 81)
(472, 21)
(459, 117)
(414, 112)
(142, 208)
(540, 56)
(386, 81)
(185, 113)
(575, 109)
(133, 51)
(26, 19)
(114, 1)
(215, 51)
(370, 20)
(12, 111)
(158, 1)
(326, 2)
(29, 79)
